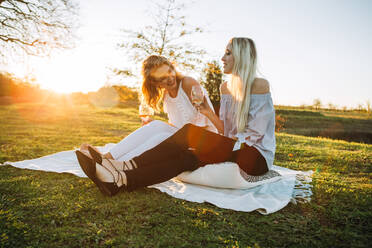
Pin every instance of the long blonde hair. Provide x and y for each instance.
(151, 94)
(243, 75)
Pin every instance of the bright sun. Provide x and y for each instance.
(71, 71)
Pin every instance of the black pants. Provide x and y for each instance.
(188, 149)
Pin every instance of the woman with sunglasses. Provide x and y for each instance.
(247, 120)
(162, 83)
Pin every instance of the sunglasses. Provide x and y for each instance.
(161, 81)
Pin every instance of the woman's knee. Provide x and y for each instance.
(155, 123)
(251, 161)
(160, 126)
(188, 161)
(187, 126)
(184, 129)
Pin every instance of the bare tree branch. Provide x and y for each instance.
(165, 37)
(36, 26)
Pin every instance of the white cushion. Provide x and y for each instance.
(226, 175)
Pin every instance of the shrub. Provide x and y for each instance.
(279, 123)
(211, 80)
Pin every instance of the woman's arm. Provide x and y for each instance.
(208, 112)
(187, 84)
(258, 125)
(204, 108)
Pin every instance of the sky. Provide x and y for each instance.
(306, 49)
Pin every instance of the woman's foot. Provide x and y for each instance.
(119, 165)
(108, 181)
(106, 155)
(84, 149)
(111, 174)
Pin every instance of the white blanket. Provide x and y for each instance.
(265, 198)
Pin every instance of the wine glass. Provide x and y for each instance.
(197, 95)
(145, 113)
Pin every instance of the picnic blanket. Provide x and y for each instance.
(266, 194)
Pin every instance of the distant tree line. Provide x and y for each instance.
(17, 90)
(318, 105)
(14, 90)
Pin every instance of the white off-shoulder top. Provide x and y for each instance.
(260, 129)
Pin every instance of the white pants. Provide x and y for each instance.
(141, 140)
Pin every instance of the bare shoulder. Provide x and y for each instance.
(260, 86)
(223, 88)
(187, 83)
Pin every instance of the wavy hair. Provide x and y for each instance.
(243, 75)
(151, 94)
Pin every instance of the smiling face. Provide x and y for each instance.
(164, 77)
(228, 60)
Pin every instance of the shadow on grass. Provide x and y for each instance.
(351, 136)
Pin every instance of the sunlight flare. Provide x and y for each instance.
(71, 72)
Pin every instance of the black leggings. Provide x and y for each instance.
(188, 149)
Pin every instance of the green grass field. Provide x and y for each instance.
(349, 126)
(41, 209)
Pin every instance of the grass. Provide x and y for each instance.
(43, 209)
(349, 126)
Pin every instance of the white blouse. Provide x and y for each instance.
(180, 110)
(260, 129)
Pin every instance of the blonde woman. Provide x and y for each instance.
(246, 120)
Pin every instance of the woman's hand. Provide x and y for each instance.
(204, 108)
(146, 120)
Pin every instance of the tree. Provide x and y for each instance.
(35, 26)
(18, 90)
(105, 97)
(331, 106)
(368, 107)
(126, 94)
(166, 37)
(360, 107)
(212, 81)
(317, 104)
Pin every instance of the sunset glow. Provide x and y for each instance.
(70, 72)
(303, 57)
